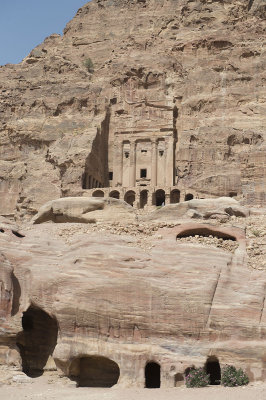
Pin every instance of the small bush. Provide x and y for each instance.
(233, 377)
(89, 65)
(197, 377)
(255, 232)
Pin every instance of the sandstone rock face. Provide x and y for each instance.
(103, 305)
(78, 209)
(113, 300)
(194, 67)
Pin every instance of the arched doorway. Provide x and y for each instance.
(213, 368)
(94, 371)
(189, 196)
(143, 198)
(114, 194)
(179, 380)
(159, 197)
(130, 197)
(98, 193)
(37, 340)
(175, 196)
(152, 375)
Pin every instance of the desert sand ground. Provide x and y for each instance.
(47, 388)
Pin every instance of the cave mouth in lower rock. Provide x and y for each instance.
(152, 375)
(207, 232)
(213, 369)
(94, 371)
(37, 340)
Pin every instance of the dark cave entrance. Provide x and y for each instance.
(114, 194)
(189, 196)
(160, 197)
(98, 193)
(143, 200)
(206, 232)
(213, 368)
(130, 197)
(152, 375)
(37, 340)
(179, 379)
(94, 371)
(175, 196)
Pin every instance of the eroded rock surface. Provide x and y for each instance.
(167, 290)
(87, 210)
(221, 208)
(114, 298)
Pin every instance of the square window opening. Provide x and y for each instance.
(143, 173)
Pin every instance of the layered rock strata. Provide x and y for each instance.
(99, 306)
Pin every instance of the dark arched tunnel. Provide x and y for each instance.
(37, 340)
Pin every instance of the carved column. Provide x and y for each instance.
(118, 163)
(169, 170)
(154, 151)
(132, 176)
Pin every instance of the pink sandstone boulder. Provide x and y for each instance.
(199, 208)
(84, 209)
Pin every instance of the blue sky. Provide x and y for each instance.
(26, 23)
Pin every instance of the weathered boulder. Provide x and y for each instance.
(84, 209)
(199, 208)
(7, 226)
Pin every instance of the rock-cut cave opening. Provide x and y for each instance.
(94, 371)
(152, 375)
(205, 231)
(213, 368)
(37, 340)
(159, 198)
(179, 379)
(189, 196)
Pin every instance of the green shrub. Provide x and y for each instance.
(197, 377)
(255, 232)
(89, 65)
(233, 377)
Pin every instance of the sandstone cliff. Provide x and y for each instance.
(102, 300)
(204, 60)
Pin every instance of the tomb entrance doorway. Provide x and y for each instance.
(94, 371)
(130, 197)
(159, 197)
(213, 368)
(152, 375)
(37, 340)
